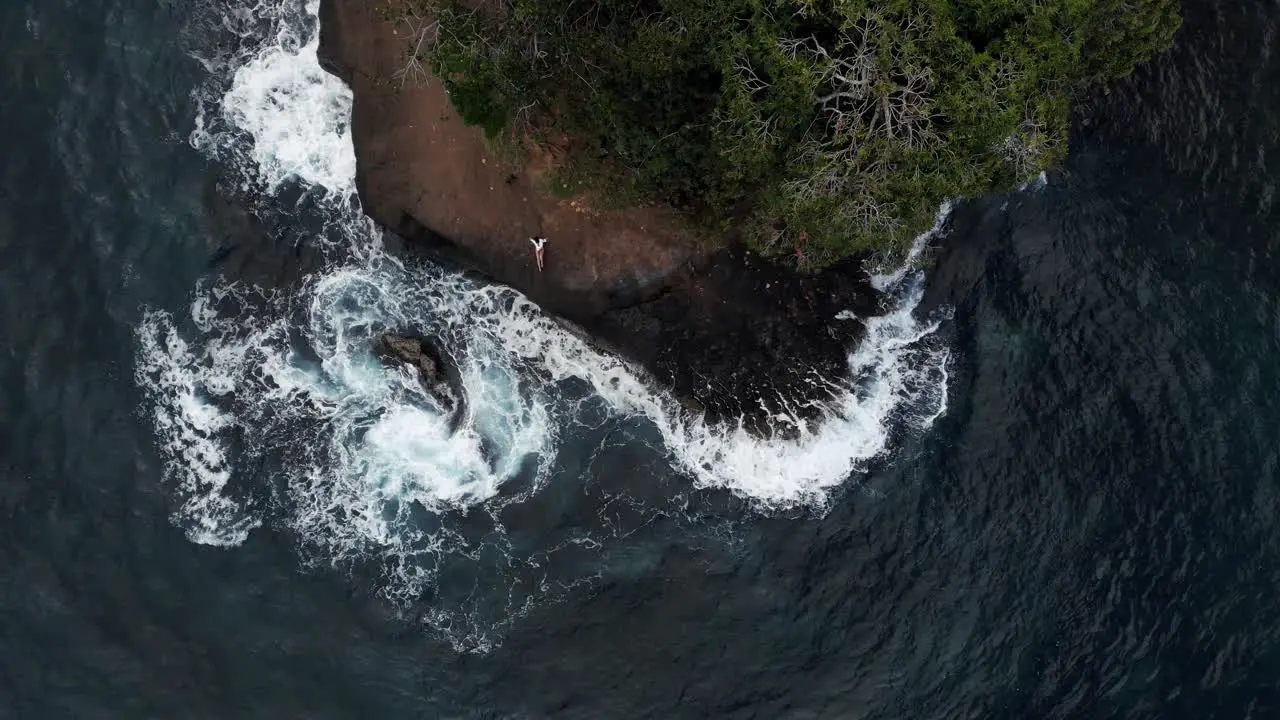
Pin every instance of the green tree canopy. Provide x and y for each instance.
(837, 126)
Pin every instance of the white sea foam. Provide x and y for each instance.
(1039, 182)
(889, 279)
(356, 450)
(299, 118)
(898, 380)
(192, 430)
(271, 406)
(296, 116)
(381, 436)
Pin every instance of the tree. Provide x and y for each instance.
(819, 127)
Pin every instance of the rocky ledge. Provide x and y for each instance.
(729, 333)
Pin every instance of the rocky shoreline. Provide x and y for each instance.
(727, 332)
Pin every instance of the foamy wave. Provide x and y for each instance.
(192, 430)
(898, 382)
(297, 116)
(372, 431)
(888, 279)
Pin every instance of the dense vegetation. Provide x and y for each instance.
(820, 127)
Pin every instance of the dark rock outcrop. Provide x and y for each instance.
(429, 364)
(742, 335)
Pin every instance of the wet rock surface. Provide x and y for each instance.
(745, 338)
(433, 372)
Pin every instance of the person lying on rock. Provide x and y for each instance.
(539, 242)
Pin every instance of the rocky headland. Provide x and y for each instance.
(730, 333)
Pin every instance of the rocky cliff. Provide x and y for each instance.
(726, 331)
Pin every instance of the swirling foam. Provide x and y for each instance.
(278, 406)
(295, 116)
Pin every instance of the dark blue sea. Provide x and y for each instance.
(1050, 487)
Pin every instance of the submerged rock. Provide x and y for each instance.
(432, 371)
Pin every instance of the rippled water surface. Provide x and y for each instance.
(1049, 488)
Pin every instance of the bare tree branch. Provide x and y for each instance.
(748, 78)
(424, 33)
(1026, 146)
(861, 97)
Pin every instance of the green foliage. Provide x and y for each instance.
(815, 127)
(615, 187)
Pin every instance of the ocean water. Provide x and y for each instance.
(1048, 488)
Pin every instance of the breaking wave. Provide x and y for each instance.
(270, 405)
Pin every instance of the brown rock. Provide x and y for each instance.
(426, 175)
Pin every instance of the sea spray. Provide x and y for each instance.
(270, 110)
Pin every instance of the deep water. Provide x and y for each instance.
(213, 505)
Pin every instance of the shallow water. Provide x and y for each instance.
(1050, 491)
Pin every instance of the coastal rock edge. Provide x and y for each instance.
(728, 332)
